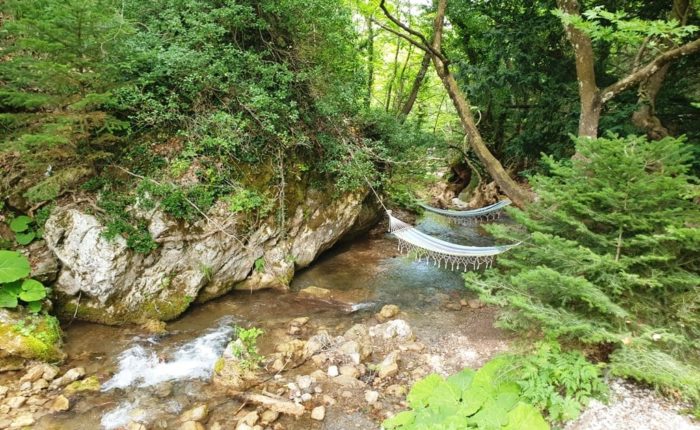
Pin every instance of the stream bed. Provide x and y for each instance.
(153, 379)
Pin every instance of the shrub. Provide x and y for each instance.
(609, 254)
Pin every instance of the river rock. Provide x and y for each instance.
(60, 404)
(396, 329)
(24, 420)
(269, 416)
(318, 413)
(15, 402)
(118, 285)
(305, 383)
(192, 425)
(389, 366)
(347, 381)
(87, 384)
(71, 375)
(251, 418)
(349, 370)
(40, 385)
(43, 342)
(314, 292)
(333, 371)
(360, 334)
(198, 413)
(371, 396)
(388, 312)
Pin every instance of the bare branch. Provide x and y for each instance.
(413, 42)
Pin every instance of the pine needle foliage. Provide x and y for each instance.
(609, 256)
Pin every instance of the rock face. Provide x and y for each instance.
(104, 281)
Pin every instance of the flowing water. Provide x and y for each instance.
(154, 378)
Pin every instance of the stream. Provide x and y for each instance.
(154, 378)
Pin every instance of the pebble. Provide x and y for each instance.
(25, 386)
(191, 425)
(304, 382)
(333, 371)
(349, 370)
(371, 396)
(40, 384)
(60, 404)
(24, 420)
(250, 418)
(328, 400)
(198, 413)
(475, 303)
(306, 397)
(16, 402)
(3, 391)
(318, 413)
(388, 312)
(269, 416)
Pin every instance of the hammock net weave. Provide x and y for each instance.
(487, 213)
(440, 252)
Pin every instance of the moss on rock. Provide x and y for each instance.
(31, 337)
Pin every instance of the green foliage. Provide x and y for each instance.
(245, 348)
(247, 201)
(556, 382)
(610, 252)
(15, 286)
(469, 399)
(23, 229)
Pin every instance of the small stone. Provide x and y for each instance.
(216, 426)
(40, 384)
(16, 402)
(328, 400)
(87, 384)
(314, 292)
(25, 386)
(388, 312)
(294, 330)
(71, 375)
(318, 390)
(396, 390)
(349, 370)
(371, 396)
(269, 416)
(318, 413)
(389, 367)
(5, 423)
(475, 303)
(60, 404)
(454, 306)
(192, 425)
(243, 426)
(333, 371)
(33, 374)
(3, 391)
(463, 302)
(135, 426)
(198, 413)
(298, 322)
(24, 420)
(346, 394)
(348, 381)
(306, 397)
(251, 418)
(50, 372)
(155, 326)
(394, 329)
(304, 382)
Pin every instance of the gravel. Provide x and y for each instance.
(633, 408)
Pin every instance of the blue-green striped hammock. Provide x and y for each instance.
(440, 252)
(487, 213)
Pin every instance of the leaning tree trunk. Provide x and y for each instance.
(515, 192)
(415, 88)
(370, 59)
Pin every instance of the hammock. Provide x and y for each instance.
(441, 252)
(487, 213)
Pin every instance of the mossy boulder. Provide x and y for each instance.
(24, 336)
(88, 384)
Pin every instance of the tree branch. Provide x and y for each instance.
(413, 42)
(652, 67)
(413, 32)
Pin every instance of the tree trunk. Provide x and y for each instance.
(517, 194)
(370, 59)
(591, 104)
(415, 88)
(393, 76)
(645, 116)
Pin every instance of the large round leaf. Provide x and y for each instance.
(20, 224)
(7, 298)
(25, 238)
(13, 266)
(32, 291)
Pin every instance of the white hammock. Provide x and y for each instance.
(487, 213)
(442, 252)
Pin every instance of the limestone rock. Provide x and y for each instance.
(198, 413)
(71, 375)
(318, 413)
(24, 420)
(395, 329)
(389, 366)
(269, 416)
(314, 292)
(371, 396)
(388, 312)
(16, 402)
(60, 404)
(333, 371)
(118, 285)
